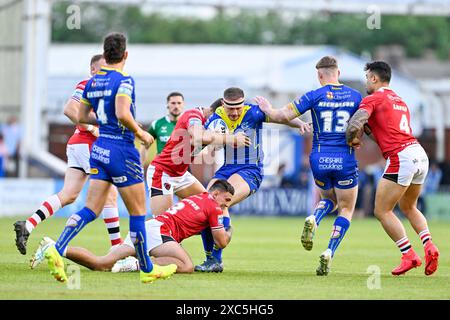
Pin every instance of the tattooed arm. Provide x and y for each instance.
(355, 125)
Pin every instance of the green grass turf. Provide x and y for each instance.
(265, 260)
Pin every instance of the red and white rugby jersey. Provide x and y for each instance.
(389, 121)
(178, 152)
(190, 216)
(81, 135)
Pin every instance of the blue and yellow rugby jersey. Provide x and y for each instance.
(331, 107)
(101, 92)
(250, 122)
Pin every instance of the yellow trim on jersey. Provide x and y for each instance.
(85, 101)
(294, 108)
(333, 84)
(101, 73)
(232, 125)
(124, 95)
(318, 124)
(115, 69)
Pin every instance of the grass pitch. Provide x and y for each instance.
(265, 260)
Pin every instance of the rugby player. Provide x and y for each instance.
(114, 160)
(243, 167)
(168, 173)
(332, 161)
(77, 173)
(164, 234)
(388, 119)
(162, 128)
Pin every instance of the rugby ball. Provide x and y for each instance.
(218, 125)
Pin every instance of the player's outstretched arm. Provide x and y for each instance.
(301, 125)
(355, 125)
(221, 237)
(283, 115)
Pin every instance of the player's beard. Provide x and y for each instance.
(175, 115)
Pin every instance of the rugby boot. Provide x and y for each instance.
(431, 258)
(211, 264)
(22, 235)
(409, 260)
(309, 230)
(158, 272)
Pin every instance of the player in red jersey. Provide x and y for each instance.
(168, 173)
(388, 120)
(78, 152)
(164, 234)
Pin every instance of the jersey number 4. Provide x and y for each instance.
(101, 115)
(404, 125)
(341, 123)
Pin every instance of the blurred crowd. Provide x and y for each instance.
(10, 136)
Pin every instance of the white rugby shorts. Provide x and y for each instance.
(153, 233)
(409, 166)
(78, 157)
(160, 183)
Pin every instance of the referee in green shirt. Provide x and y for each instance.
(162, 128)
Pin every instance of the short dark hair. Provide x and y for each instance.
(222, 185)
(327, 62)
(381, 69)
(174, 94)
(96, 58)
(114, 47)
(233, 93)
(216, 104)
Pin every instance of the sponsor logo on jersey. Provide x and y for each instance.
(121, 179)
(345, 182)
(245, 126)
(330, 95)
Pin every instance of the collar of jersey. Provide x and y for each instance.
(232, 125)
(385, 88)
(114, 69)
(334, 84)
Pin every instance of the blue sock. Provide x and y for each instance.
(208, 242)
(74, 225)
(340, 227)
(323, 208)
(139, 238)
(217, 253)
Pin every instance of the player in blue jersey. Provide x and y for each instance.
(114, 159)
(243, 167)
(332, 161)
